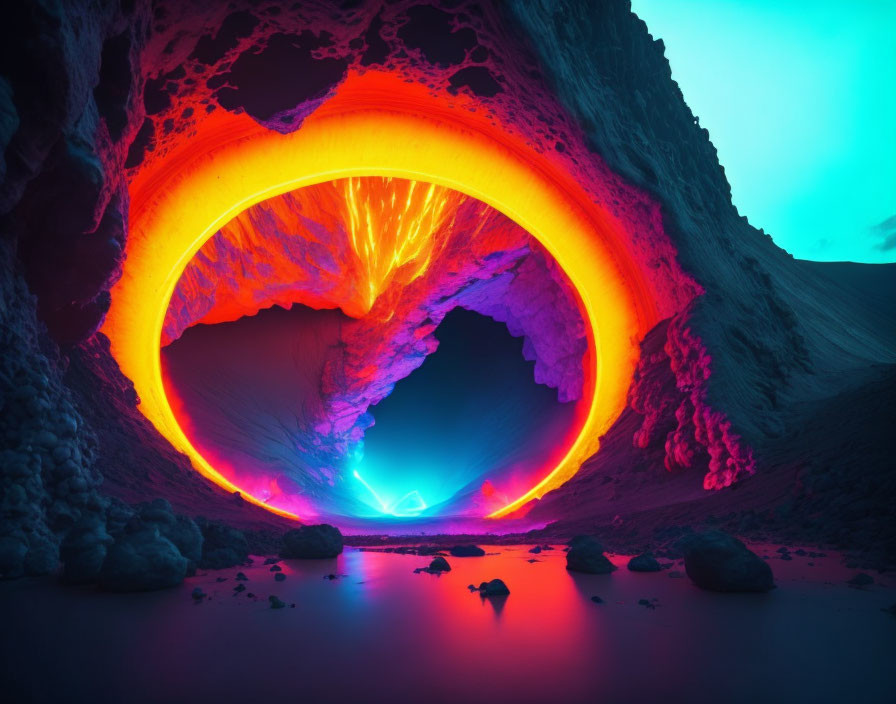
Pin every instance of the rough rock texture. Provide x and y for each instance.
(587, 555)
(758, 340)
(222, 546)
(312, 542)
(720, 563)
(47, 454)
(142, 561)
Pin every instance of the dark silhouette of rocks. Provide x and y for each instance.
(861, 580)
(494, 587)
(142, 561)
(719, 562)
(466, 551)
(312, 542)
(223, 546)
(586, 555)
(644, 563)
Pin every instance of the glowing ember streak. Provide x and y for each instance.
(378, 124)
(392, 222)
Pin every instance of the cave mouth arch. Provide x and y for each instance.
(391, 260)
(376, 125)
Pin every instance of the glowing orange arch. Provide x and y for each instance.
(377, 125)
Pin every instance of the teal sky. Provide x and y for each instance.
(799, 97)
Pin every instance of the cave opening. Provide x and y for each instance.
(376, 348)
(467, 427)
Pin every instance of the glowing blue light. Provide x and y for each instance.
(409, 505)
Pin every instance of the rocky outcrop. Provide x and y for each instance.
(720, 563)
(586, 555)
(313, 542)
(494, 587)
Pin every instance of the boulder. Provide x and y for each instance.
(222, 546)
(587, 555)
(180, 530)
(312, 542)
(142, 561)
(42, 557)
(495, 587)
(644, 563)
(276, 602)
(439, 564)
(719, 562)
(466, 551)
(83, 551)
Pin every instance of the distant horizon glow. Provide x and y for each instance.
(799, 101)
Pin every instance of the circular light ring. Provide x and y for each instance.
(235, 164)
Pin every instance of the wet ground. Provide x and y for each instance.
(380, 632)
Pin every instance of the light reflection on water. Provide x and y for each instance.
(379, 632)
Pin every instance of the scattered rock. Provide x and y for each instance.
(719, 562)
(861, 580)
(466, 551)
(646, 602)
(276, 568)
(587, 555)
(494, 587)
(536, 549)
(276, 603)
(279, 577)
(271, 561)
(597, 600)
(198, 594)
(644, 563)
(439, 564)
(241, 577)
(312, 542)
(239, 588)
(221, 579)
